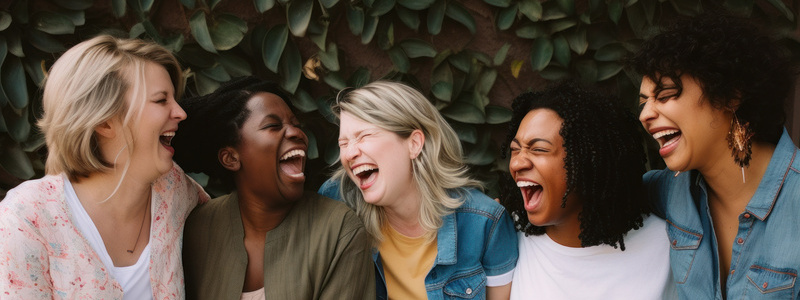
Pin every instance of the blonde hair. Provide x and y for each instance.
(438, 170)
(87, 86)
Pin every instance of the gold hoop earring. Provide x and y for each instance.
(740, 142)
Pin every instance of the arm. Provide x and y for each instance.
(498, 292)
(24, 264)
(352, 276)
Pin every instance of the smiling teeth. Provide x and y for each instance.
(293, 153)
(526, 184)
(363, 168)
(662, 133)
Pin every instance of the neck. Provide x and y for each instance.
(403, 214)
(259, 216)
(724, 178)
(97, 195)
(566, 233)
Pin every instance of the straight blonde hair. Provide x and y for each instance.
(86, 87)
(438, 171)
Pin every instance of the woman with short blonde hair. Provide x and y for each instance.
(113, 204)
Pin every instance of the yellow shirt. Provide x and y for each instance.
(406, 262)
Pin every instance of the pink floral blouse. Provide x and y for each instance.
(44, 256)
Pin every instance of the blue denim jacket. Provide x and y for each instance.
(766, 250)
(475, 241)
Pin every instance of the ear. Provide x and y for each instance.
(107, 129)
(415, 142)
(229, 159)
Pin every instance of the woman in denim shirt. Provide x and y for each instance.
(402, 172)
(712, 96)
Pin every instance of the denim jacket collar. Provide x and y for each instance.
(446, 241)
(763, 200)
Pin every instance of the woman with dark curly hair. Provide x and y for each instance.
(712, 96)
(268, 239)
(577, 161)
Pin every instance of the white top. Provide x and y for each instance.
(258, 294)
(134, 279)
(548, 270)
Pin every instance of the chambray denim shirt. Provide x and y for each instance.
(766, 250)
(475, 241)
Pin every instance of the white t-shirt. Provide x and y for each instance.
(134, 279)
(548, 270)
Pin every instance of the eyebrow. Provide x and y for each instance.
(158, 94)
(533, 141)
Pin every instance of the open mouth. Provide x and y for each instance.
(291, 163)
(531, 194)
(166, 138)
(667, 137)
(366, 174)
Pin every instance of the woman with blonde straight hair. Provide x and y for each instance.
(402, 171)
(106, 221)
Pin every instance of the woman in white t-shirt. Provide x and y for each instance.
(584, 226)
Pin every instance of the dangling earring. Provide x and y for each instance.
(740, 141)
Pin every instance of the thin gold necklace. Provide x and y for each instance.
(144, 217)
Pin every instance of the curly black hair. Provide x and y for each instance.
(213, 122)
(733, 61)
(604, 161)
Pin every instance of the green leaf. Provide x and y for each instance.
(497, 114)
(577, 40)
(264, 5)
(436, 16)
(649, 7)
(44, 42)
(417, 48)
(531, 9)
(335, 80)
(541, 53)
(599, 36)
(291, 67)
(399, 59)
(385, 35)
(318, 32)
(20, 11)
(442, 73)
(610, 52)
(146, 5)
(782, 8)
(78, 17)
(531, 31)
(587, 70)
(328, 3)
(554, 73)
(606, 70)
(330, 58)
(359, 78)
(16, 162)
(480, 154)
(190, 5)
(74, 4)
(381, 7)
(274, 43)
(487, 82)
(5, 20)
(212, 3)
(14, 42)
(332, 153)
(35, 69)
(3, 53)
(688, 7)
(174, 43)
(204, 84)
(227, 31)
(562, 24)
(355, 19)
(506, 17)
(615, 10)
(53, 23)
(217, 73)
(409, 17)
(481, 57)
(740, 7)
(566, 6)
(12, 77)
(312, 152)
(464, 112)
(460, 61)
(636, 18)
(561, 50)
(416, 4)
(552, 13)
(500, 56)
(196, 57)
(442, 91)
(303, 101)
(370, 27)
(136, 30)
(118, 8)
(498, 3)
(466, 133)
(19, 128)
(200, 31)
(457, 12)
(235, 65)
(298, 13)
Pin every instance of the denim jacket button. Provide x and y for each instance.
(469, 290)
(674, 242)
(747, 216)
(764, 285)
(733, 271)
(740, 241)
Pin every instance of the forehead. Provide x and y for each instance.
(540, 123)
(263, 103)
(350, 124)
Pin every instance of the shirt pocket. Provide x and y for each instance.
(467, 285)
(770, 283)
(683, 248)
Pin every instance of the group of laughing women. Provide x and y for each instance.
(578, 218)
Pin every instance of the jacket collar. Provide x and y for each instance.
(446, 239)
(770, 186)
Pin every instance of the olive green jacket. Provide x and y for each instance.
(320, 251)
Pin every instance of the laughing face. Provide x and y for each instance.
(271, 151)
(378, 161)
(690, 132)
(537, 165)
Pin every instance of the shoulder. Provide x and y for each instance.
(44, 196)
(328, 215)
(211, 210)
(658, 177)
(477, 202)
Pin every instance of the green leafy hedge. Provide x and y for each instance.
(301, 43)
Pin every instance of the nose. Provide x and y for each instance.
(648, 112)
(349, 152)
(519, 163)
(178, 113)
(295, 132)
